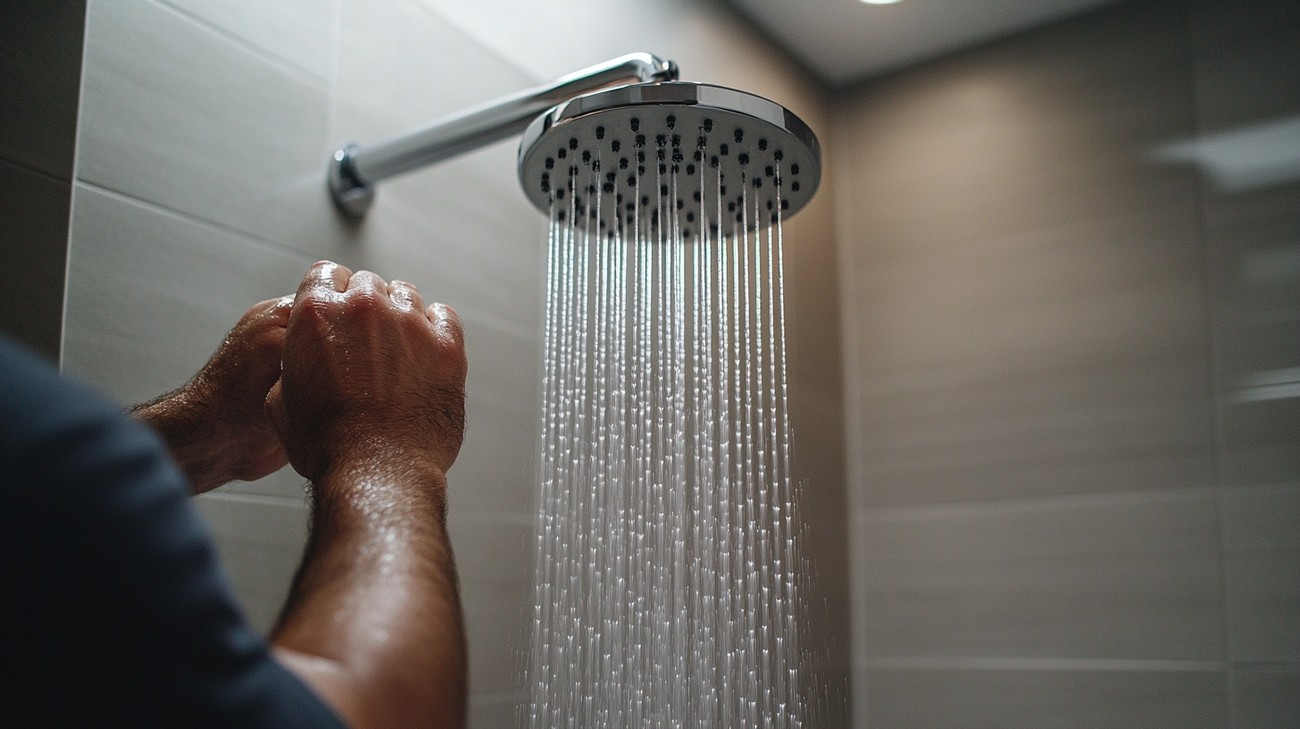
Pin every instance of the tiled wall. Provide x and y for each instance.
(40, 80)
(1247, 78)
(1073, 425)
(200, 189)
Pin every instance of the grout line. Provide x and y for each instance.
(1021, 663)
(335, 64)
(1265, 665)
(1270, 487)
(529, 74)
(261, 499)
(192, 219)
(907, 383)
(481, 316)
(1030, 503)
(36, 171)
(336, 48)
(1212, 370)
(319, 82)
(856, 482)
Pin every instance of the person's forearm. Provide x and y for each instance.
(374, 620)
(182, 427)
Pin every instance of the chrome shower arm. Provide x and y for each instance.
(354, 170)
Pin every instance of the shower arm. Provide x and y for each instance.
(354, 171)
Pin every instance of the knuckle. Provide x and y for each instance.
(363, 300)
(313, 306)
(369, 279)
(450, 347)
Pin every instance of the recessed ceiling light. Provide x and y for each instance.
(880, 2)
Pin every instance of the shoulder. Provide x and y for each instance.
(119, 612)
(66, 447)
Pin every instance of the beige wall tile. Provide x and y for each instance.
(1044, 699)
(297, 32)
(179, 115)
(1099, 577)
(151, 293)
(260, 543)
(1266, 698)
(1261, 547)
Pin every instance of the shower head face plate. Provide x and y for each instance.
(678, 154)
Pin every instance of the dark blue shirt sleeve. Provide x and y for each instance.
(116, 612)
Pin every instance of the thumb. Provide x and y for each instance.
(274, 406)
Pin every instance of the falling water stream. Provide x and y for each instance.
(667, 570)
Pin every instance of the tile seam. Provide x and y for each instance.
(320, 83)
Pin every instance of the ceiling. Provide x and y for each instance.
(845, 41)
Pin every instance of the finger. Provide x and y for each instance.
(405, 295)
(367, 280)
(281, 307)
(275, 310)
(324, 277)
(446, 321)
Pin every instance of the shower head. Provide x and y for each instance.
(624, 155)
(672, 153)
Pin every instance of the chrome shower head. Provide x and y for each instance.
(659, 153)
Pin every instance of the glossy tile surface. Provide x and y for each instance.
(472, 247)
(1031, 412)
(1024, 313)
(464, 224)
(260, 544)
(1266, 699)
(1248, 77)
(1261, 545)
(497, 711)
(402, 66)
(495, 466)
(297, 32)
(179, 115)
(494, 559)
(1052, 699)
(1099, 578)
(151, 294)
